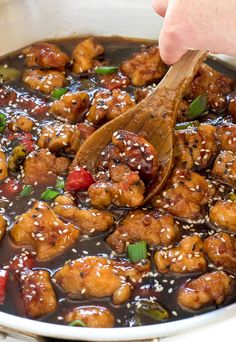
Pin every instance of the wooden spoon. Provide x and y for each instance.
(154, 118)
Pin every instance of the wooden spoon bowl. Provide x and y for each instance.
(153, 118)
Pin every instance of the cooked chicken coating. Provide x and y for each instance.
(91, 316)
(221, 250)
(223, 214)
(142, 225)
(71, 107)
(98, 277)
(43, 167)
(3, 226)
(186, 257)
(3, 166)
(232, 105)
(115, 81)
(84, 54)
(212, 83)
(41, 228)
(144, 67)
(213, 287)
(37, 293)
(224, 167)
(89, 221)
(195, 147)
(43, 80)
(226, 136)
(141, 94)
(108, 105)
(60, 137)
(21, 123)
(86, 129)
(126, 190)
(45, 55)
(185, 194)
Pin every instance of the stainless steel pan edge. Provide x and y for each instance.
(26, 21)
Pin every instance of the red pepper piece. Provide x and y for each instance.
(22, 261)
(79, 179)
(25, 139)
(85, 130)
(10, 188)
(3, 284)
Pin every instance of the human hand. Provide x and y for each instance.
(196, 24)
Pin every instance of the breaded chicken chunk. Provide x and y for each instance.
(226, 136)
(224, 167)
(3, 166)
(223, 214)
(3, 226)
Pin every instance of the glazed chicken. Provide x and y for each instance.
(224, 167)
(91, 316)
(98, 277)
(221, 250)
(21, 123)
(3, 166)
(45, 56)
(43, 167)
(223, 214)
(142, 225)
(89, 221)
(3, 226)
(116, 80)
(210, 288)
(185, 194)
(187, 257)
(37, 293)
(43, 80)
(71, 107)
(108, 105)
(144, 67)
(226, 136)
(41, 229)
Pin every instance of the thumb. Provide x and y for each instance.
(160, 6)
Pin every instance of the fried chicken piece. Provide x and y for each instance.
(3, 166)
(144, 67)
(43, 80)
(140, 225)
(212, 83)
(84, 54)
(98, 277)
(114, 81)
(91, 316)
(43, 167)
(60, 137)
(186, 257)
(185, 194)
(3, 226)
(232, 105)
(108, 105)
(71, 107)
(213, 287)
(221, 250)
(223, 214)
(224, 167)
(226, 136)
(195, 147)
(37, 293)
(127, 189)
(89, 221)
(21, 123)
(85, 129)
(41, 228)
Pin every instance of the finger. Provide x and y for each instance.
(160, 6)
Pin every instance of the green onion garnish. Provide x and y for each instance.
(105, 70)
(232, 197)
(3, 122)
(137, 251)
(26, 191)
(77, 323)
(8, 74)
(198, 106)
(153, 310)
(60, 183)
(58, 92)
(49, 195)
(184, 125)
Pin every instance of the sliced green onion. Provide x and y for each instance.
(8, 74)
(58, 92)
(60, 183)
(77, 323)
(198, 106)
(184, 125)
(3, 122)
(137, 251)
(232, 197)
(26, 191)
(49, 195)
(153, 310)
(105, 70)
